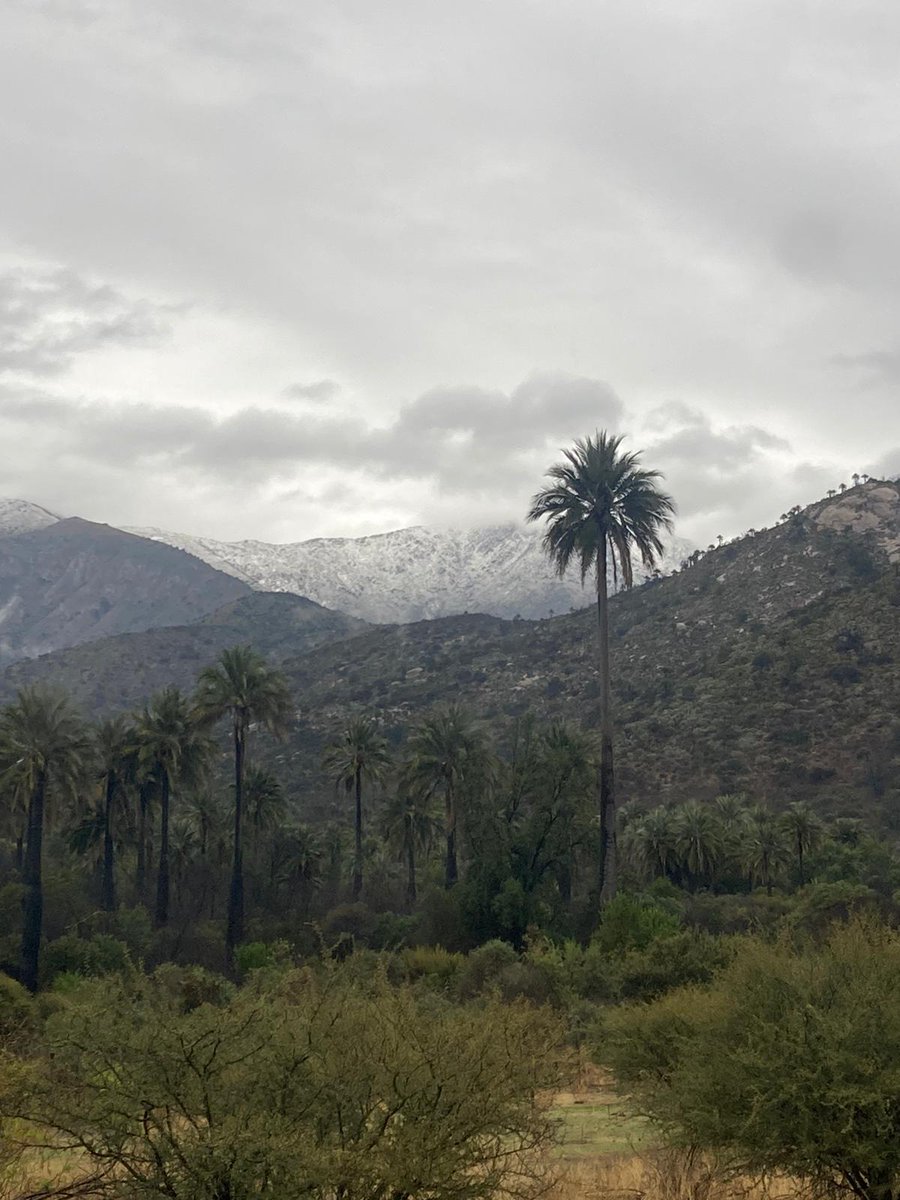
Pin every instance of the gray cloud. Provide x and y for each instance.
(695, 201)
(320, 391)
(460, 455)
(47, 317)
(879, 365)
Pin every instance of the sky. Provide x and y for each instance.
(283, 270)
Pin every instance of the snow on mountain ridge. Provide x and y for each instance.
(409, 574)
(21, 516)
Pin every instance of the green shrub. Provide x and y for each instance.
(97, 955)
(633, 923)
(484, 966)
(672, 962)
(16, 1009)
(434, 965)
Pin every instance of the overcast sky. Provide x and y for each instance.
(290, 268)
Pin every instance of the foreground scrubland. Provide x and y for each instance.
(428, 1074)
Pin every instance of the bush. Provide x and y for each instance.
(632, 923)
(434, 965)
(484, 966)
(16, 1010)
(309, 1081)
(787, 1064)
(670, 963)
(97, 955)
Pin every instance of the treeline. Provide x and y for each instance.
(130, 835)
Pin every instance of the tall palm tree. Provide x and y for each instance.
(43, 743)
(114, 739)
(243, 686)
(176, 753)
(804, 829)
(447, 752)
(358, 754)
(601, 507)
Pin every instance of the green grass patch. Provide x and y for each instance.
(599, 1127)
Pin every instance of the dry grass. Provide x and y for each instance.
(610, 1153)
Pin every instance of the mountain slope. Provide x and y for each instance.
(770, 666)
(409, 574)
(119, 673)
(74, 581)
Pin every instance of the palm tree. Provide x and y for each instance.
(359, 753)
(447, 754)
(765, 850)
(176, 753)
(43, 743)
(601, 507)
(699, 840)
(114, 740)
(243, 685)
(804, 829)
(408, 823)
(653, 843)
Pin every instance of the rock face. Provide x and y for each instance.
(411, 574)
(871, 508)
(73, 581)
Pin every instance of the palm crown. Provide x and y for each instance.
(599, 500)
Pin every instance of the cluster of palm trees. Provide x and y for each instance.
(48, 754)
(698, 845)
(601, 508)
(524, 812)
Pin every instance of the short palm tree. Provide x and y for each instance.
(43, 744)
(804, 831)
(653, 841)
(360, 754)
(700, 841)
(601, 508)
(446, 753)
(766, 849)
(243, 686)
(176, 753)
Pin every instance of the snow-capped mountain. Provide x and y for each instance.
(409, 574)
(21, 516)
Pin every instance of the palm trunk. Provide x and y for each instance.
(235, 931)
(108, 884)
(140, 882)
(20, 852)
(410, 867)
(451, 873)
(33, 899)
(162, 879)
(800, 860)
(358, 851)
(608, 855)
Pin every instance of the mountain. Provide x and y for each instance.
(21, 516)
(118, 673)
(73, 581)
(409, 574)
(769, 666)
